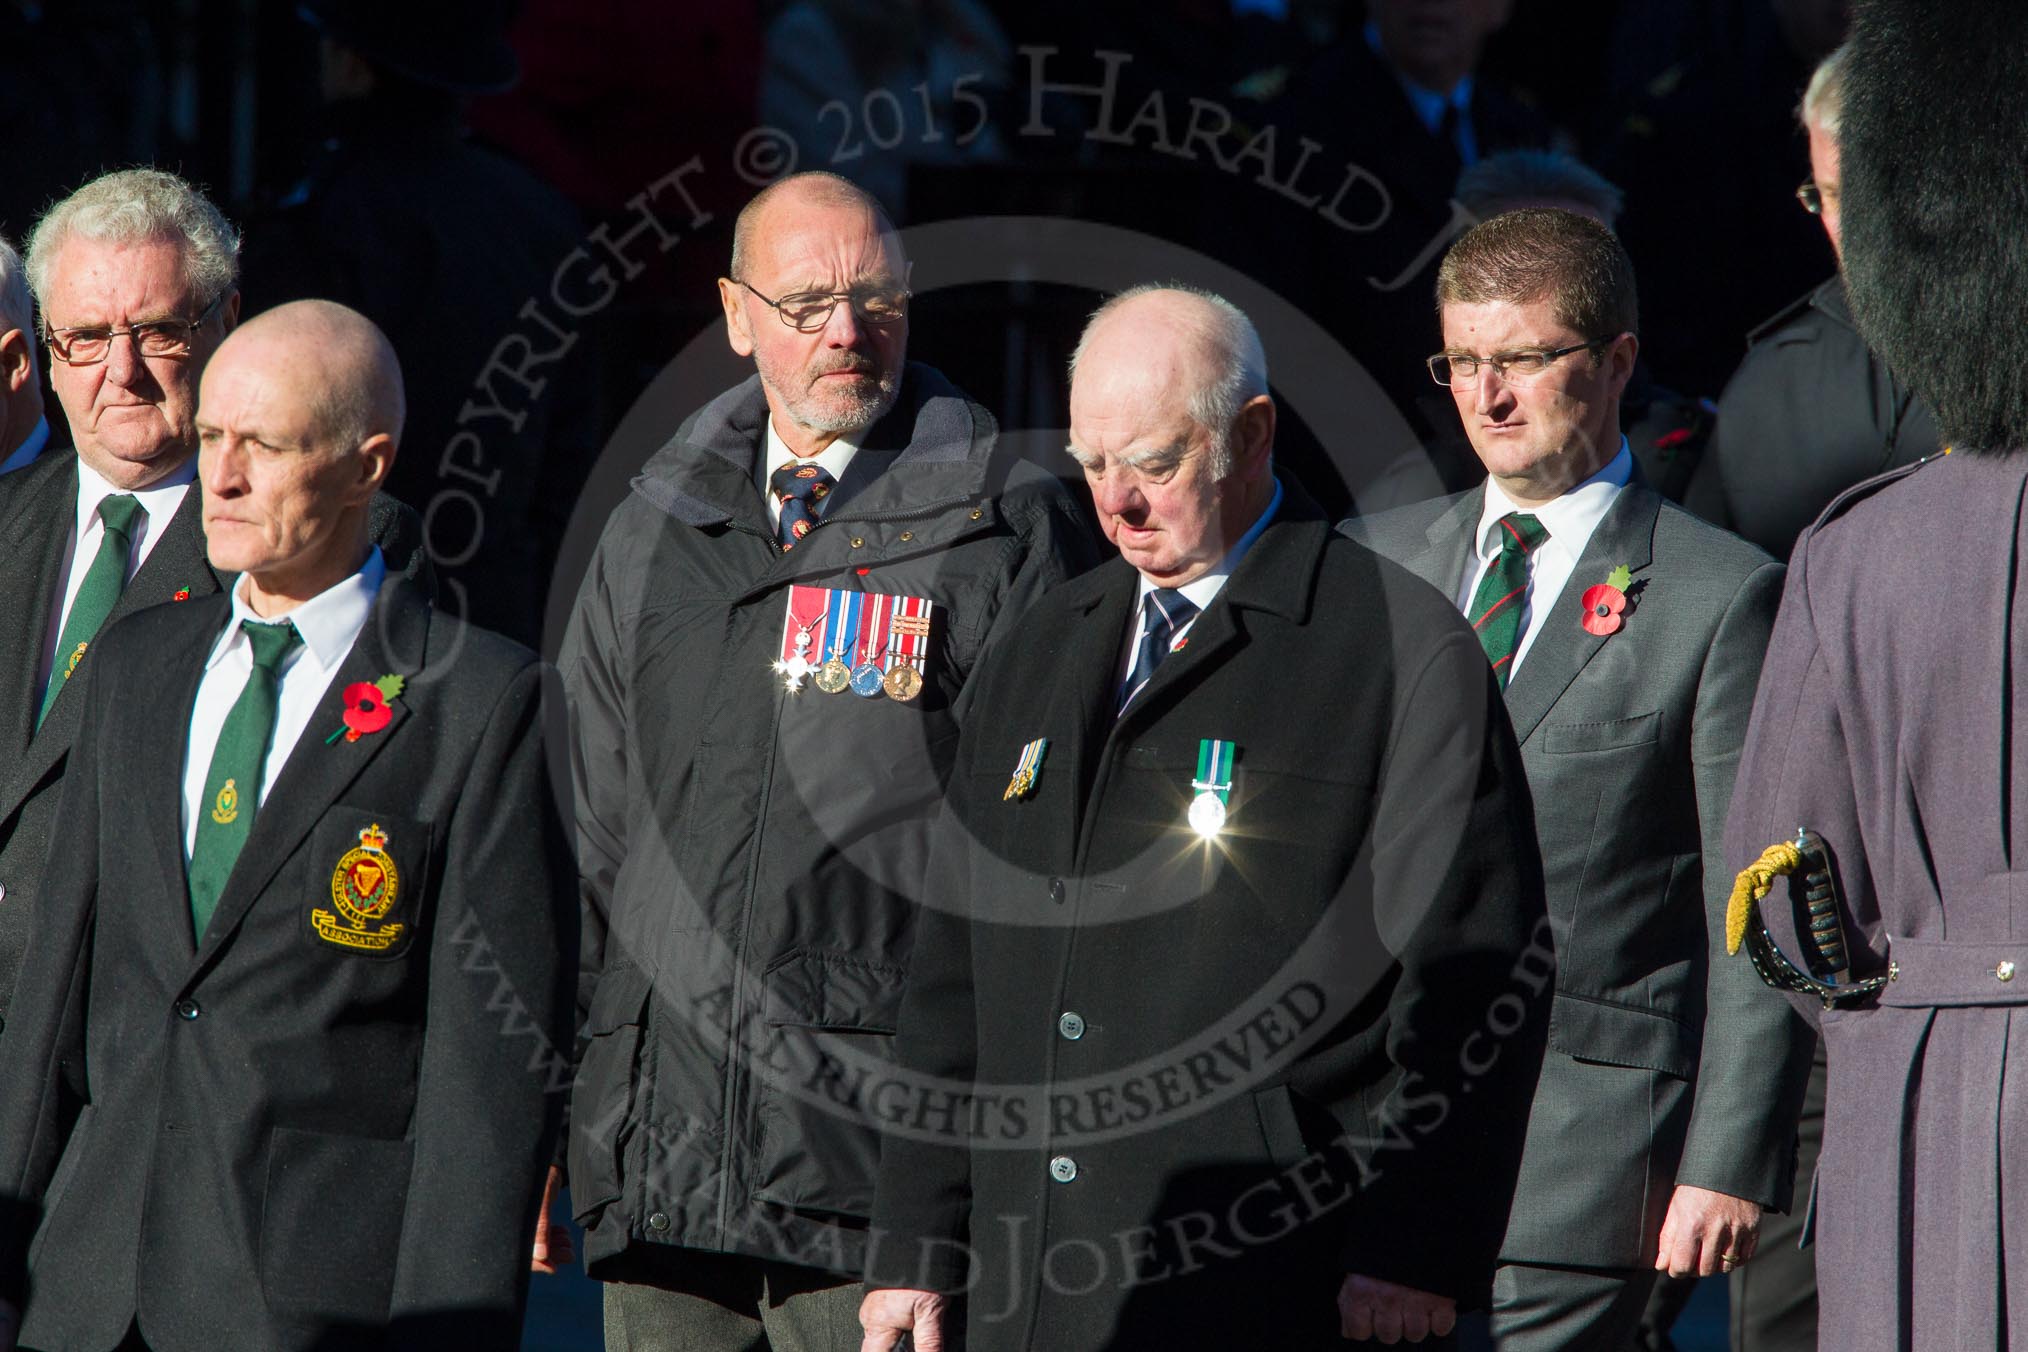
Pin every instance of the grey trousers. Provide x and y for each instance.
(711, 1302)
(1548, 1309)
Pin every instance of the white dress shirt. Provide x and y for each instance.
(1199, 593)
(832, 460)
(329, 623)
(159, 502)
(1570, 521)
(24, 454)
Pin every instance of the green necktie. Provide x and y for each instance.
(1496, 607)
(232, 787)
(97, 594)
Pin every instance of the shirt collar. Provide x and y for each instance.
(24, 454)
(328, 621)
(159, 499)
(832, 459)
(1200, 592)
(1570, 518)
(1428, 103)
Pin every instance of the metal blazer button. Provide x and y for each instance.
(187, 1009)
(1063, 1168)
(2005, 971)
(1071, 1025)
(659, 1222)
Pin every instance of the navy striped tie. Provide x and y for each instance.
(1164, 612)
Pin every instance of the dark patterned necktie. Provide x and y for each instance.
(1164, 612)
(801, 487)
(97, 594)
(1496, 606)
(232, 786)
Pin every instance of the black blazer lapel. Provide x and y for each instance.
(161, 744)
(1625, 536)
(35, 533)
(394, 640)
(176, 564)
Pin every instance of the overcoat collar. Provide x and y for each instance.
(1278, 577)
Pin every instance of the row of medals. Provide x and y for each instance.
(901, 682)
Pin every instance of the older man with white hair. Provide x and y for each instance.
(1229, 939)
(24, 432)
(137, 276)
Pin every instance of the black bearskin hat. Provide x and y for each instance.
(1933, 154)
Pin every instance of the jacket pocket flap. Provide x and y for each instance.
(813, 989)
(619, 1000)
(1622, 1035)
(1640, 730)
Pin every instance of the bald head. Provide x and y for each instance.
(795, 196)
(338, 358)
(1171, 422)
(1178, 338)
(297, 420)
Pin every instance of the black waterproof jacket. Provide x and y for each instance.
(749, 856)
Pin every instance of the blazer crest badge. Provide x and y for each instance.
(363, 891)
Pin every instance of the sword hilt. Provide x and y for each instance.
(1820, 897)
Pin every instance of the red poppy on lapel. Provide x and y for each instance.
(1605, 605)
(366, 707)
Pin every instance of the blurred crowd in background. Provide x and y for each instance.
(435, 165)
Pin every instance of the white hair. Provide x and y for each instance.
(1823, 105)
(1239, 362)
(17, 311)
(132, 205)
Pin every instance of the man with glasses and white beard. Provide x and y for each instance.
(766, 668)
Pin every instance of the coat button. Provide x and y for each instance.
(858, 540)
(978, 512)
(1071, 1025)
(2005, 971)
(907, 535)
(659, 1222)
(1056, 890)
(3, 891)
(187, 1010)
(1063, 1168)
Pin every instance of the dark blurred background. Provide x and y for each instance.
(437, 164)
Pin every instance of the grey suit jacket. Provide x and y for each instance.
(37, 511)
(1668, 1064)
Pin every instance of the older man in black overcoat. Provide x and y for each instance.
(1235, 952)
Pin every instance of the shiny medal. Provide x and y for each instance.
(841, 620)
(1026, 769)
(1213, 787)
(907, 646)
(799, 642)
(869, 654)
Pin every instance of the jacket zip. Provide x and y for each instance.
(735, 1060)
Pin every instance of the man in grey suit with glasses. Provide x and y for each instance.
(1628, 637)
